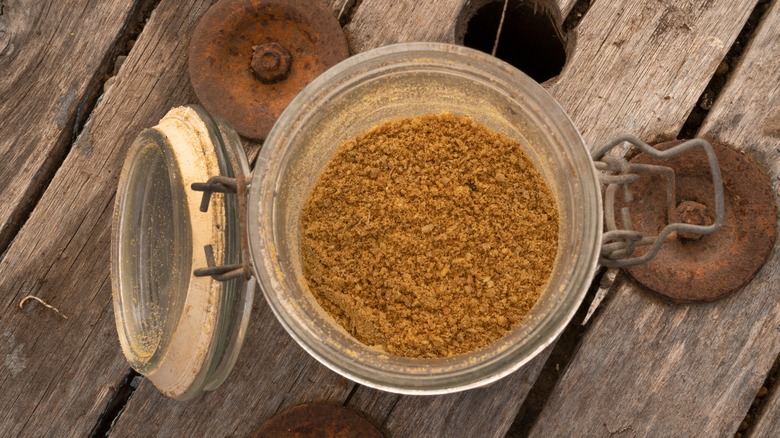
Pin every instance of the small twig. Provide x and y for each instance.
(33, 297)
(500, 26)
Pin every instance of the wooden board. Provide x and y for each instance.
(483, 412)
(58, 374)
(272, 373)
(639, 67)
(381, 22)
(620, 101)
(52, 55)
(768, 425)
(648, 368)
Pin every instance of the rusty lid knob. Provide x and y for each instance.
(693, 213)
(249, 58)
(315, 420)
(270, 62)
(704, 268)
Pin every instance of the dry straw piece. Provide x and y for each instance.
(33, 297)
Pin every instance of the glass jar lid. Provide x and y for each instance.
(180, 330)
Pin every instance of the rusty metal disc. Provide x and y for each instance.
(704, 268)
(249, 58)
(317, 420)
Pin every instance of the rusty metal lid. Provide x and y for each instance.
(704, 268)
(317, 420)
(249, 58)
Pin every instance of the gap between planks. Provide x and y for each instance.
(178, 91)
(71, 119)
(406, 409)
(660, 369)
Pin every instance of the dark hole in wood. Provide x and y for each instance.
(530, 40)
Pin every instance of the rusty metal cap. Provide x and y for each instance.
(705, 268)
(249, 58)
(317, 420)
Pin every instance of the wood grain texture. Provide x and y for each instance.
(381, 22)
(650, 368)
(483, 412)
(747, 115)
(272, 372)
(340, 8)
(58, 374)
(639, 67)
(768, 425)
(584, 85)
(52, 56)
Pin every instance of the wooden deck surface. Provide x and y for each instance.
(641, 367)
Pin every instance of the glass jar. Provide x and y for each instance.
(408, 80)
(156, 207)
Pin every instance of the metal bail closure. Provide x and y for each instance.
(183, 331)
(696, 220)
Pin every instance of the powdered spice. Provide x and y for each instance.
(429, 236)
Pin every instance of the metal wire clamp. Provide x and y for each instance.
(618, 244)
(236, 186)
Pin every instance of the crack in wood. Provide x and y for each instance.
(722, 75)
(759, 406)
(74, 127)
(348, 11)
(116, 404)
(350, 395)
(564, 350)
(576, 15)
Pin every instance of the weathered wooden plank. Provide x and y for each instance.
(483, 412)
(603, 105)
(272, 372)
(649, 368)
(768, 425)
(381, 22)
(52, 57)
(639, 67)
(58, 374)
(747, 114)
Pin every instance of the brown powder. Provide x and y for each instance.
(429, 236)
